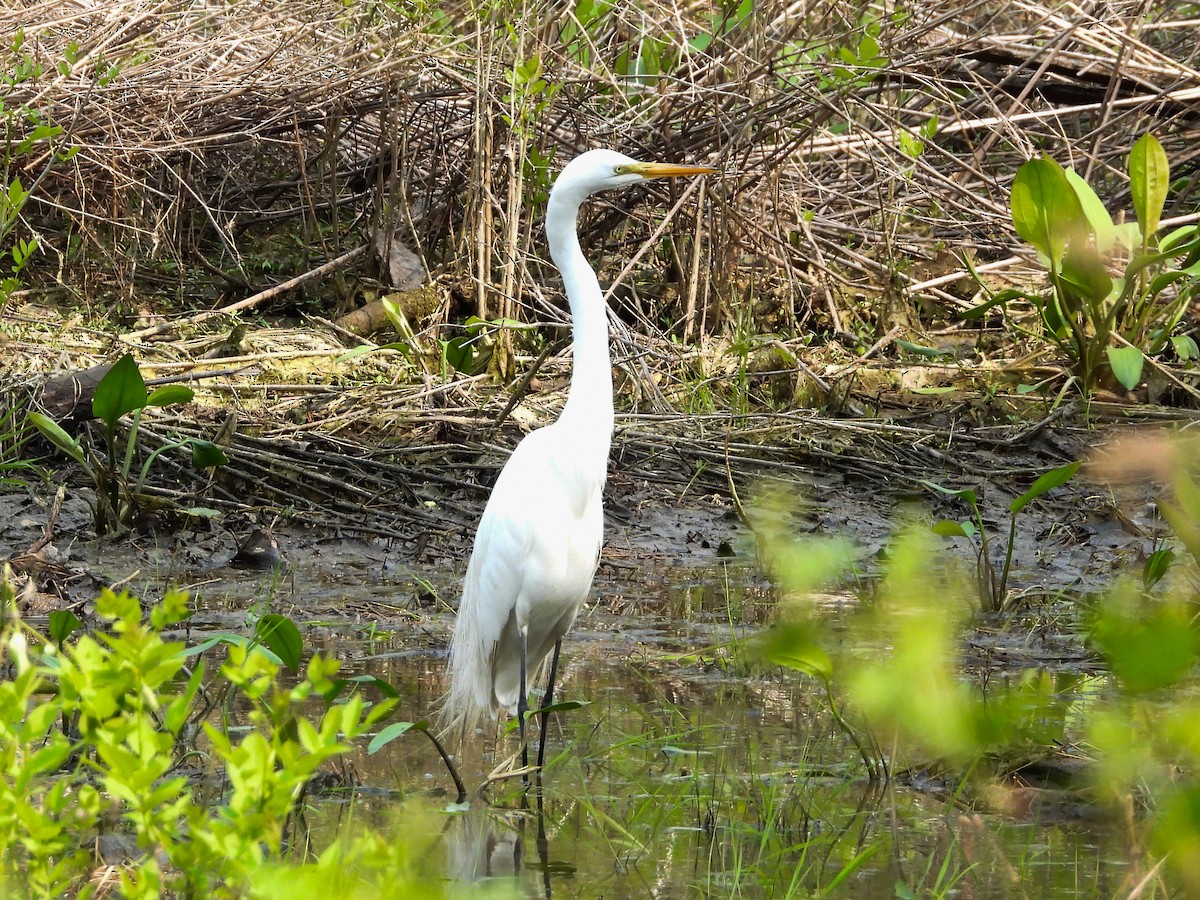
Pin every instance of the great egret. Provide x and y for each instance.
(538, 543)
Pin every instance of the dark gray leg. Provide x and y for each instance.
(548, 700)
(522, 709)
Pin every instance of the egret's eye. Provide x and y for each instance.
(620, 170)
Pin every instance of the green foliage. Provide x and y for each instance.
(29, 140)
(993, 589)
(93, 736)
(14, 435)
(1138, 727)
(1105, 325)
(118, 493)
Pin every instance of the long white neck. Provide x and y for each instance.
(589, 406)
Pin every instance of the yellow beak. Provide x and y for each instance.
(668, 170)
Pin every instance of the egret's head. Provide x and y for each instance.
(599, 170)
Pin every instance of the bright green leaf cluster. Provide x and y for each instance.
(93, 731)
(1106, 325)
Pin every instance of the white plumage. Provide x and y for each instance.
(538, 542)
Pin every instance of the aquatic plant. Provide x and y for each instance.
(993, 589)
(899, 675)
(1105, 325)
(119, 494)
(100, 734)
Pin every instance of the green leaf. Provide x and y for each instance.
(1046, 482)
(121, 390)
(560, 706)
(170, 394)
(1164, 280)
(1147, 647)
(797, 645)
(460, 353)
(1180, 240)
(1149, 176)
(1126, 363)
(922, 350)
(1185, 347)
(57, 436)
(1045, 208)
(389, 734)
(966, 494)
(1156, 566)
(340, 684)
(948, 528)
(998, 299)
(206, 454)
(62, 623)
(1099, 221)
(281, 635)
(1129, 236)
(1085, 271)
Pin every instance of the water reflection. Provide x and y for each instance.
(489, 843)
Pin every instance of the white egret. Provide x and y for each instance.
(538, 543)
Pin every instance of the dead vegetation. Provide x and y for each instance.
(223, 149)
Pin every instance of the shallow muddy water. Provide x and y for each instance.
(694, 770)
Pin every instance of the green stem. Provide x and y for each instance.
(131, 444)
(150, 461)
(1008, 555)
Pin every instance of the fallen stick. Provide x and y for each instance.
(261, 297)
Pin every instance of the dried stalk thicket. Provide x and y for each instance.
(225, 148)
(201, 126)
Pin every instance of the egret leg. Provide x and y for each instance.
(548, 700)
(522, 709)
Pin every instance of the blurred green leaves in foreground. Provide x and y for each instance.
(1131, 722)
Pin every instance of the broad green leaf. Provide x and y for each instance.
(360, 350)
(797, 645)
(1046, 482)
(281, 635)
(948, 528)
(1100, 222)
(121, 390)
(1085, 271)
(396, 315)
(1180, 240)
(1053, 317)
(49, 758)
(1156, 566)
(389, 734)
(1185, 347)
(1129, 236)
(1045, 208)
(206, 454)
(560, 706)
(460, 354)
(1161, 282)
(170, 394)
(966, 494)
(62, 623)
(59, 438)
(1126, 363)
(1149, 176)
